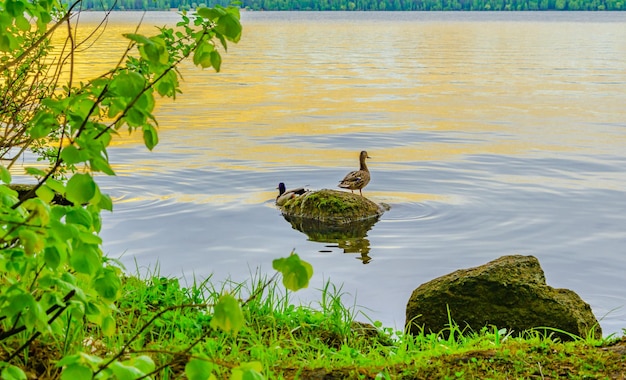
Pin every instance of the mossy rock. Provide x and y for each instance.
(332, 207)
(509, 292)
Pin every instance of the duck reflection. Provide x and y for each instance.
(351, 237)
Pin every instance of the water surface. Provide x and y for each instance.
(490, 134)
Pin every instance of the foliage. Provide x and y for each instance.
(323, 341)
(296, 273)
(56, 285)
(368, 5)
(282, 340)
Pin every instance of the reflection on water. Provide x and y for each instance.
(493, 134)
(350, 237)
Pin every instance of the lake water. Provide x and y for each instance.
(490, 134)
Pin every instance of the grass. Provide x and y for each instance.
(320, 341)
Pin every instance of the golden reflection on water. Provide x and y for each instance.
(318, 92)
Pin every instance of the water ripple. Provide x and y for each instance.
(404, 212)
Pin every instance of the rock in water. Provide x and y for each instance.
(331, 207)
(509, 292)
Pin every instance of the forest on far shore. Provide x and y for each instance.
(366, 5)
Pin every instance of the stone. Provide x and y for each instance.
(509, 292)
(331, 207)
(337, 217)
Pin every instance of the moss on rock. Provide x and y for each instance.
(332, 206)
(509, 292)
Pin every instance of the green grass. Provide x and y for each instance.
(168, 320)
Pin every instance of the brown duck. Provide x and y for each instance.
(357, 179)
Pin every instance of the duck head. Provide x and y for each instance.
(281, 189)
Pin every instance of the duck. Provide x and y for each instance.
(357, 179)
(284, 195)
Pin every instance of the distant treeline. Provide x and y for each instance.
(368, 5)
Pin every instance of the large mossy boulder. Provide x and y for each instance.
(331, 207)
(509, 292)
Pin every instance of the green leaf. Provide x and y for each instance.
(93, 309)
(80, 358)
(146, 101)
(168, 85)
(95, 215)
(164, 56)
(6, 198)
(210, 13)
(128, 84)
(108, 285)
(125, 372)
(68, 360)
(227, 314)
(197, 369)
(56, 185)
(81, 107)
(137, 38)
(135, 117)
(86, 260)
(202, 59)
(105, 202)
(155, 51)
(89, 238)
(43, 123)
(72, 155)
(143, 362)
(81, 188)
(248, 371)
(234, 11)
(101, 165)
(216, 60)
(63, 232)
(11, 372)
(31, 241)
(150, 136)
(108, 326)
(44, 18)
(296, 273)
(15, 8)
(35, 172)
(52, 257)
(45, 193)
(116, 106)
(27, 307)
(202, 55)
(36, 316)
(22, 23)
(76, 371)
(229, 26)
(16, 303)
(5, 175)
(150, 52)
(6, 42)
(79, 215)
